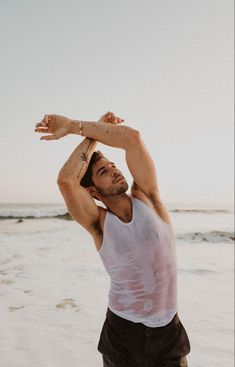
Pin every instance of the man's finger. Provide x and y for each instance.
(41, 129)
(39, 124)
(48, 137)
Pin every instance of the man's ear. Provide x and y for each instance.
(92, 192)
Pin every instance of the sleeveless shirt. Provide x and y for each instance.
(140, 258)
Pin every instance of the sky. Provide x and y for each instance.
(165, 66)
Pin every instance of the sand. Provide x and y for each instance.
(53, 294)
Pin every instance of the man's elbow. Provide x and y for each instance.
(135, 134)
(132, 138)
(64, 181)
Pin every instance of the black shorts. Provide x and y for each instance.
(124, 343)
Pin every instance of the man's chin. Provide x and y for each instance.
(123, 188)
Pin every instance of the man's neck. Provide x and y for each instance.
(120, 205)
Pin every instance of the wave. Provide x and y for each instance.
(21, 217)
(32, 211)
(211, 236)
(209, 211)
(60, 211)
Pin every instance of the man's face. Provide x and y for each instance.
(108, 179)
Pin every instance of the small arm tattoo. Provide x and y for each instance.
(84, 157)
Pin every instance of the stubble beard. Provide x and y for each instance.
(113, 191)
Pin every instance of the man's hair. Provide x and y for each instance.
(86, 181)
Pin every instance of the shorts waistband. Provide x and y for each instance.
(111, 316)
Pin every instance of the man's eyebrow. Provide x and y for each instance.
(97, 172)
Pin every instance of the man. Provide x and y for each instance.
(134, 238)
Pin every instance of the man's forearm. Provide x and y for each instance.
(75, 167)
(109, 134)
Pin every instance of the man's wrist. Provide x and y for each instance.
(75, 127)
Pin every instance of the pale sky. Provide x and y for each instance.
(165, 66)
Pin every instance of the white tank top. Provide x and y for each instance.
(140, 258)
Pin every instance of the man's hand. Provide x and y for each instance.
(110, 118)
(57, 125)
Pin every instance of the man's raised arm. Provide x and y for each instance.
(113, 135)
(110, 134)
(75, 167)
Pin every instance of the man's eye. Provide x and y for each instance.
(103, 172)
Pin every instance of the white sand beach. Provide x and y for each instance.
(53, 291)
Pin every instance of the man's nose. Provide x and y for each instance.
(115, 172)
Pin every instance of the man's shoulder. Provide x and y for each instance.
(155, 203)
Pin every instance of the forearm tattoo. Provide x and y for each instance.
(84, 157)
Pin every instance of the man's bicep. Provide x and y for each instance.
(141, 166)
(80, 205)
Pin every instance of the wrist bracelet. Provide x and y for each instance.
(81, 125)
